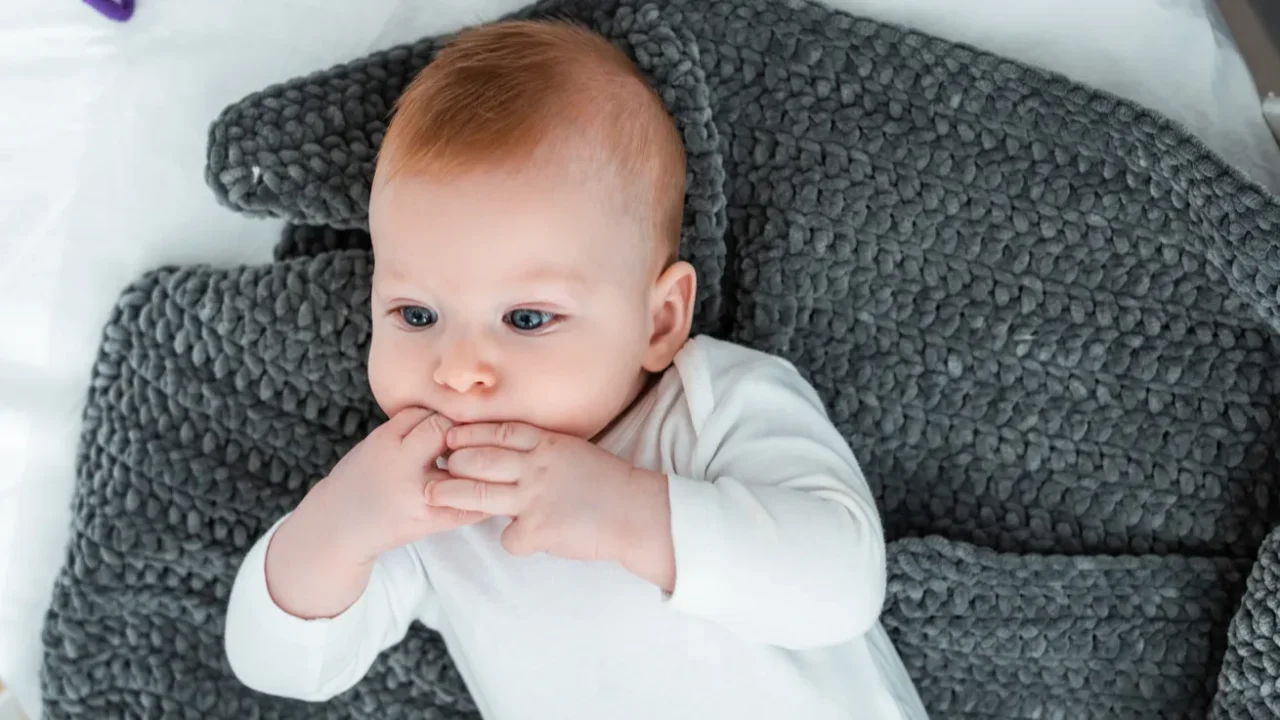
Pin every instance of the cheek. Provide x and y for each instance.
(611, 351)
(392, 373)
(581, 385)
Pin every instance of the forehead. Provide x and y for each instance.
(529, 226)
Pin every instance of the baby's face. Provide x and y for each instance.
(501, 296)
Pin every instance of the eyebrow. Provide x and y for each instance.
(538, 276)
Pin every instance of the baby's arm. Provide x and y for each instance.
(328, 588)
(785, 544)
(280, 653)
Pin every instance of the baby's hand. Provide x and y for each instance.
(567, 497)
(373, 500)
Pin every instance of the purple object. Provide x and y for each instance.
(118, 10)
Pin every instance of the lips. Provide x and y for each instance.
(456, 418)
(465, 418)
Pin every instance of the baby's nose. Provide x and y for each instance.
(462, 373)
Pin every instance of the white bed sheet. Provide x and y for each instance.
(102, 135)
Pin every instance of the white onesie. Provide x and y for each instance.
(780, 577)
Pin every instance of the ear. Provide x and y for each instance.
(670, 314)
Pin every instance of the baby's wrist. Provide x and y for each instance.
(329, 530)
(644, 545)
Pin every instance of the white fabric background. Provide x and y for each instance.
(102, 137)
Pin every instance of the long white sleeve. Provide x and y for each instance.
(777, 545)
(277, 653)
(779, 538)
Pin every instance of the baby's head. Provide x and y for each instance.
(526, 215)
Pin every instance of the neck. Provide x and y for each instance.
(644, 382)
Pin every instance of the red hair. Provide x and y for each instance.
(499, 94)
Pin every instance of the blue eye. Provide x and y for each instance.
(528, 320)
(417, 317)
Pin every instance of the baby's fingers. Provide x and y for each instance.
(447, 518)
(478, 495)
(427, 439)
(406, 420)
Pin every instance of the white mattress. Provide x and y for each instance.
(101, 154)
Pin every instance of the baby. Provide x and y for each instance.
(603, 517)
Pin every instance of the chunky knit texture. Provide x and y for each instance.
(1044, 318)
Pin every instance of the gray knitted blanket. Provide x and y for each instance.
(1045, 319)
